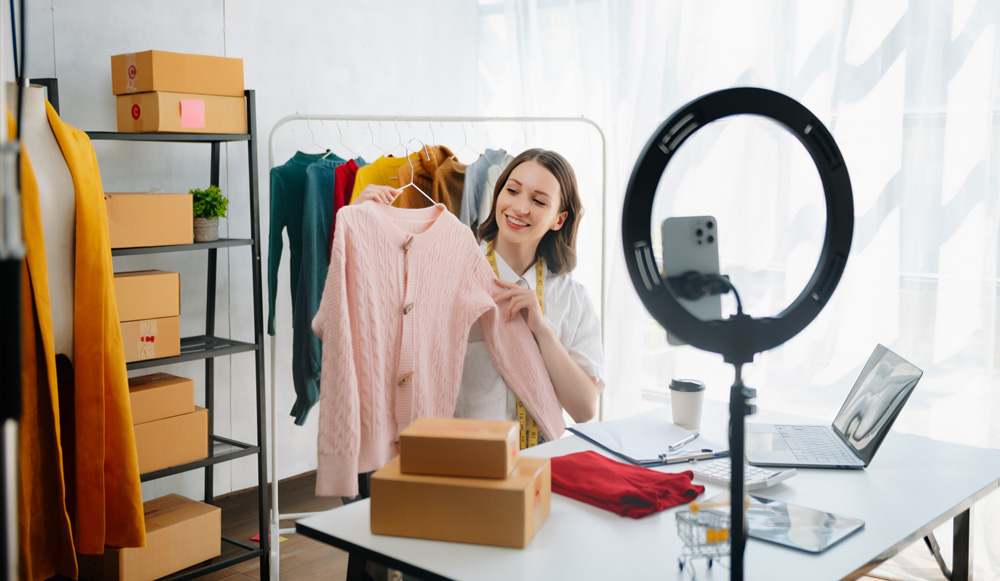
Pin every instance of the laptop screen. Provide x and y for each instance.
(877, 398)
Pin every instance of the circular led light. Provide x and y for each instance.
(739, 337)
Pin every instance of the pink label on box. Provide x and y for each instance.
(192, 113)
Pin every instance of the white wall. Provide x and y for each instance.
(343, 57)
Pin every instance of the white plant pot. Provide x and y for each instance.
(206, 229)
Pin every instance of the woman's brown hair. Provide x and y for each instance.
(557, 247)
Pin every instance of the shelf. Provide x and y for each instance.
(197, 348)
(232, 553)
(168, 137)
(220, 243)
(223, 450)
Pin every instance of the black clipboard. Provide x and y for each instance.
(644, 441)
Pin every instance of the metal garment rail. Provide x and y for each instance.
(276, 516)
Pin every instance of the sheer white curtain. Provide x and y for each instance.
(910, 91)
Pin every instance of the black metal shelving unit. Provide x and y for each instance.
(207, 347)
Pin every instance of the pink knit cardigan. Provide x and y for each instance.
(403, 289)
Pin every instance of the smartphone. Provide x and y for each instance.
(691, 243)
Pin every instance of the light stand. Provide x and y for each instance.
(739, 337)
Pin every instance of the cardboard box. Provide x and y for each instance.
(147, 294)
(459, 447)
(143, 219)
(180, 533)
(172, 441)
(160, 395)
(163, 112)
(155, 70)
(151, 338)
(485, 511)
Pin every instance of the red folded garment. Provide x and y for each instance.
(621, 488)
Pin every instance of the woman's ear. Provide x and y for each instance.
(560, 221)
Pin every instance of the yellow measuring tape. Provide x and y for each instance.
(529, 428)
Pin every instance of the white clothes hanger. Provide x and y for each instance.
(343, 143)
(412, 172)
(465, 144)
(313, 135)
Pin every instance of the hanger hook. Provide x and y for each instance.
(311, 133)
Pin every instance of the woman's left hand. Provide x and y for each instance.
(521, 299)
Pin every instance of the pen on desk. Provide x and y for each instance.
(689, 456)
(682, 441)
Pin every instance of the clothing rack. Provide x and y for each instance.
(523, 122)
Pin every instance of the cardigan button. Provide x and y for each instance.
(409, 242)
(405, 379)
(407, 308)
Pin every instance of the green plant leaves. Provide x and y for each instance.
(209, 203)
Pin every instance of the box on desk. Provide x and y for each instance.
(459, 447)
(156, 70)
(180, 532)
(160, 395)
(147, 294)
(144, 219)
(172, 441)
(151, 338)
(163, 112)
(485, 511)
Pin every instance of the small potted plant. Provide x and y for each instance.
(209, 205)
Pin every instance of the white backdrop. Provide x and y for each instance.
(909, 89)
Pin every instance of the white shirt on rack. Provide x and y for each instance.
(568, 310)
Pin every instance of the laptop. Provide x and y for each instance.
(857, 432)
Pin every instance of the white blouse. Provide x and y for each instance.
(570, 313)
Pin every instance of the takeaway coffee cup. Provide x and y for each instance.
(686, 396)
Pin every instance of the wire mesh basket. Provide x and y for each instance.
(705, 534)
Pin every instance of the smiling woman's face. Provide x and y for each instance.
(529, 204)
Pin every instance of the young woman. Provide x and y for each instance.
(529, 240)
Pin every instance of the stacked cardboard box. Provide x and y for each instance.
(180, 532)
(169, 429)
(149, 308)
(160, 92)
(463, 481)
(143, 219)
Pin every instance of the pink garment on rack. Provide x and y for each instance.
(403, 289)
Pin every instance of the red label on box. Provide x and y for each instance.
(136, 111)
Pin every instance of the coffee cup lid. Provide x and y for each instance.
(686, 385)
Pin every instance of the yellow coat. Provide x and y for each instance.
(46, 546)
(103, 495)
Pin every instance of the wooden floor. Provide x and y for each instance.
(301, 557)
(304, 559)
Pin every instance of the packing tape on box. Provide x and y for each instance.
(131, 73)
(147, 339)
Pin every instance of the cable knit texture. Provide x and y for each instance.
(403, 289)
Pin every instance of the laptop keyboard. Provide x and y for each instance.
(815, 444)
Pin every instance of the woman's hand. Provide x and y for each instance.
(375, 193)
(521, 299)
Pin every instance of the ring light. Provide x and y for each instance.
(739, 337)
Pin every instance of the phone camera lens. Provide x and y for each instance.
(711, 239)
(709, 225)
(699, 232)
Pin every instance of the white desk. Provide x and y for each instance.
(912, 486)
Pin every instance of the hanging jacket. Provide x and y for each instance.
(426, 161)
(288, 186)
(449, 182)
(384, 171)
(317, 222)
(106, 492)
(472, 189)
(46, 547)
